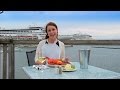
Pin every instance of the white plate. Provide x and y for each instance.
(54, 65)
(65, 70)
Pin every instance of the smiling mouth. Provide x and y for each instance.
(52, 35)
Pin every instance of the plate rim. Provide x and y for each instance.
(69, 70)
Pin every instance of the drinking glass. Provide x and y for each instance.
(84, 55)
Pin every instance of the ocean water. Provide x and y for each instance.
(102, 56)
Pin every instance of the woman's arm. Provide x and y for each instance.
(62, 56)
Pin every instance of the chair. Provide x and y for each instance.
(30, 57)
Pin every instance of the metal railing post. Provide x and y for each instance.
(11, 61)
(4, 75)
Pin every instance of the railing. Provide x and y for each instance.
(8, 61)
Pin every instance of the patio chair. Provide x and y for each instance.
(30, 57)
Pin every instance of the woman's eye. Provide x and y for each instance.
(49, 30)
(53, 29)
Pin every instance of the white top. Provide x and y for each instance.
(51, 50)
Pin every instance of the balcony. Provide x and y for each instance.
(9, 63)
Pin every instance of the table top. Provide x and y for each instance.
(91, 73)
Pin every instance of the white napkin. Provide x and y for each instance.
(40, 67)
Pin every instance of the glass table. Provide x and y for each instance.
(91, 73)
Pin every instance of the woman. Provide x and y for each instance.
(51, 47)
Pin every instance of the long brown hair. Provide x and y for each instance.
(50, 24)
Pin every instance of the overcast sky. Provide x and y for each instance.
(98, 24)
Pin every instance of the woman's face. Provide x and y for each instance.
(52, 32)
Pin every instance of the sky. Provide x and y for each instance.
(98, 24)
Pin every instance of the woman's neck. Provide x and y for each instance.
(51, 40)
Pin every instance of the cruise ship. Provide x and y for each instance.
(77, 36)
(27, 33)
(80, 36)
